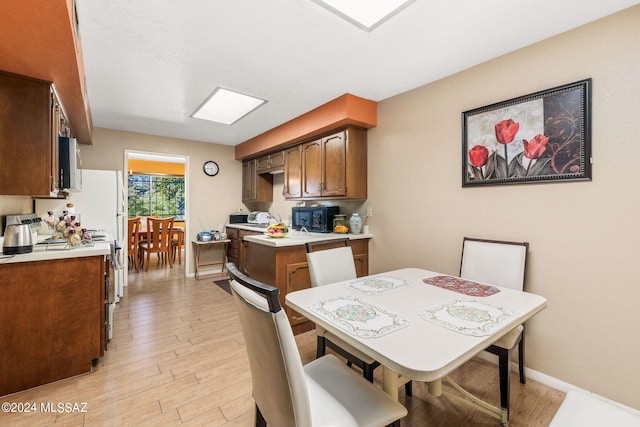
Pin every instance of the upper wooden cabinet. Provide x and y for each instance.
(270, 163)
(40, 40)
(329, 167)
(255, 187)
(334, 166)
(31, 119)
(292, 172)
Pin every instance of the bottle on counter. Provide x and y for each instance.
(355, 223)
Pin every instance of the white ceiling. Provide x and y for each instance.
(150, 63)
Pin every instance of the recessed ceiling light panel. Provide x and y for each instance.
(226, 106)
(366, 14)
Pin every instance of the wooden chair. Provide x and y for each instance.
(157, 240)
(330, 266)
(499, 263)
(177, 241)
(324, 392)
(133, 238)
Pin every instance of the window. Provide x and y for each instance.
(156, 195)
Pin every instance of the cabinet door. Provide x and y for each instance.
(255, 188)
(277, 160)
(249, 180)
(297, 278)
(244, 259)
(334, 165)
(57, 124)
(312, 169)
(263, 164)
(293, 172)
(26, 137)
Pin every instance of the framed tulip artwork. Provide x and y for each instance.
(541, 137)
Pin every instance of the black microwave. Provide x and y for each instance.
(314, 218)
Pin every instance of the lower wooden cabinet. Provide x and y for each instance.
(238, 247)
(233, 249)
(52, 320)
(286, 268)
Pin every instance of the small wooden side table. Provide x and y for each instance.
(198, 246)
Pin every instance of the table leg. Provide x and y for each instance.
(197, 259)
(390, 382)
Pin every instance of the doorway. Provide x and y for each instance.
(157, 184)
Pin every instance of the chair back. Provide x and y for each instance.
(494, 262)
(134, 228)
(159, 233)
(279, 384)
(331, 265)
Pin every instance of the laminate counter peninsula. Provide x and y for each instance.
(282, 262)
(52, 314)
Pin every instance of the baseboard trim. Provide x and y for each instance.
(554, 383)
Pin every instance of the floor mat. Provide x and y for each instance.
(224, 284)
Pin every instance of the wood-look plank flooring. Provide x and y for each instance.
(178, 358)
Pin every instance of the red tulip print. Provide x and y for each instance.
(535, 148)
(478, 156)
(506, 131)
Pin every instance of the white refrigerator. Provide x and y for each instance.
(101, 206)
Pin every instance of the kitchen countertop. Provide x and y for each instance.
(294, 237)
(246, 226)
(57, 251)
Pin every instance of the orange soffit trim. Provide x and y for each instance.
(342, 111)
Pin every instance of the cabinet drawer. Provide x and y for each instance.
(232, 233)
(233, 252)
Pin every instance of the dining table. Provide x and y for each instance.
(419, 324)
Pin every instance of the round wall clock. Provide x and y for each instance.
(211, 168)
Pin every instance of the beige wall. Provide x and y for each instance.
(14, 205)
(584, 235)
(210, 199)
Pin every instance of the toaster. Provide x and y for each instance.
(258, 218)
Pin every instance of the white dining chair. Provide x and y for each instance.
(499, 263)
(330, 266)
(287, 393)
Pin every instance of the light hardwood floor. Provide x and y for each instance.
(178, 358)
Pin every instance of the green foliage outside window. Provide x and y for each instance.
(156, 195)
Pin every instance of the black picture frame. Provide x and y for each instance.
(541, 137)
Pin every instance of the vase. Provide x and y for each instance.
(356, 223)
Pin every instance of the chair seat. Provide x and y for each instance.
(333, 388)
(347, 347)
(511, 339)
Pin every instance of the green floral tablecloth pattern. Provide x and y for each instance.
(358, 317)
(468, 317)
(377, 285)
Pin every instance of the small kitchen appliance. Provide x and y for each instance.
(238, 218)
(314, 218)
(17, 239)
(205, 236)
(258, 218)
